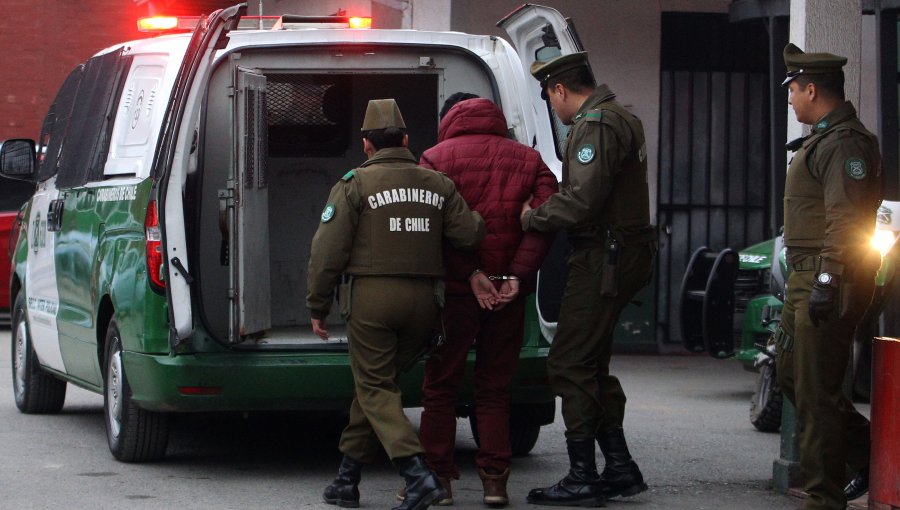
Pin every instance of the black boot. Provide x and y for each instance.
(422, 486)
(344, 490)
(621, 476)
(858, 486)
(580, 487)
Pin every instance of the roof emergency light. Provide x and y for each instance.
(167, 23)
(358, 22)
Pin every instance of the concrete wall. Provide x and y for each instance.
(833, 26)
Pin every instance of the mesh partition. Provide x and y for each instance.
(308, 115)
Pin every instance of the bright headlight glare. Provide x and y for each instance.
(883, 241)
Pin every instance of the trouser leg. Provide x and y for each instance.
(578, 361)
(497, 356)
(811, 375)
(443, 378)
(383, 335)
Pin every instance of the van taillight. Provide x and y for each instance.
(154, 246)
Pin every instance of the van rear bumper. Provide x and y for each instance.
(286, 381)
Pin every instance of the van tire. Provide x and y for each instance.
(522, 437)
(765, 404)
(35, 391)
(134, 435)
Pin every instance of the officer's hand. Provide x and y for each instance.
(823, 300)
(526, 206)
(320, 328)
(484, 291)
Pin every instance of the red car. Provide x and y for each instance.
(12, 195)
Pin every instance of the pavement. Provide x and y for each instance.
(687, 421)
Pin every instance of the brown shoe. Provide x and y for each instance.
(494, 488)
(445, 483)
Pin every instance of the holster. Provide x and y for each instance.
(609, 284)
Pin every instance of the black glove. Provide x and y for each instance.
(823, 300)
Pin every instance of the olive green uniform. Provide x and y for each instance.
(384, 225)
(832, 193)
(603, 204)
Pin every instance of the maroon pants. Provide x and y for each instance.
(497, 339)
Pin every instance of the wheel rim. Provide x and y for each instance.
(114, 390)
(19, 360)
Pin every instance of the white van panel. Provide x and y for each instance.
(139, 115)
(41, 292)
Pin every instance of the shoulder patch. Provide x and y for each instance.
(855, 168)
(349, 175)
(822, 124)
(328, 213)
(585, 154)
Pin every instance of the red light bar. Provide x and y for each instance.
(167, 23)
(358, 22)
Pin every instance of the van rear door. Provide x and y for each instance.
(174, 156)
(249, 232)
(542, 33)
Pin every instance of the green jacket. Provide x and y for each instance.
(387, 217)
(832, 191)
(604, 183)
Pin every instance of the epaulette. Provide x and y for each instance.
(593, 116)
(349, 175)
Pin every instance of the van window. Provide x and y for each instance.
(56, 123)
(84, 151)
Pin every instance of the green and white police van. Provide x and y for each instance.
(179, 179)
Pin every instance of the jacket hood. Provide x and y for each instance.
(471, 117)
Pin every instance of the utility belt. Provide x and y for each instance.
(599, 237)
(612, 241)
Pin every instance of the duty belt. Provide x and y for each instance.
(810, 263)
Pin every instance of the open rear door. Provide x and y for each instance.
(250, 262)
(542, 33)
(173, 155)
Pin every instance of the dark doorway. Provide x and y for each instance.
(714, 170)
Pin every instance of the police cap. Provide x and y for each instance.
(543, 71)
(382, 114)
(798, 62)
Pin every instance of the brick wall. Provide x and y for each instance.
(41, 41)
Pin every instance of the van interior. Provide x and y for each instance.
(308, 137)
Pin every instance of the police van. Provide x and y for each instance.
(162, 259)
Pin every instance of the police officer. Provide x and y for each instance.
(383, 228)
(831, 196)
(603, 205)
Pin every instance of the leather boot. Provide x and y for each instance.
(580, 487)
(422, 487)
(494, 488)
(344, 490)
(446, 501)
(858, 486)
(621, 476)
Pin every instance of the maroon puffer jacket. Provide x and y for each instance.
(494, 175)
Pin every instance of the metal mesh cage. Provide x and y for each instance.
(308, 115)
(298, 100)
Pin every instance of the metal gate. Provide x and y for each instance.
(713, 174)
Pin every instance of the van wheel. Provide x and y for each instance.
(522, 437)
(35, 390)
(765, 404)
(134, 435)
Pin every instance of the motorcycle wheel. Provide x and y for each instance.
(765, 404)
